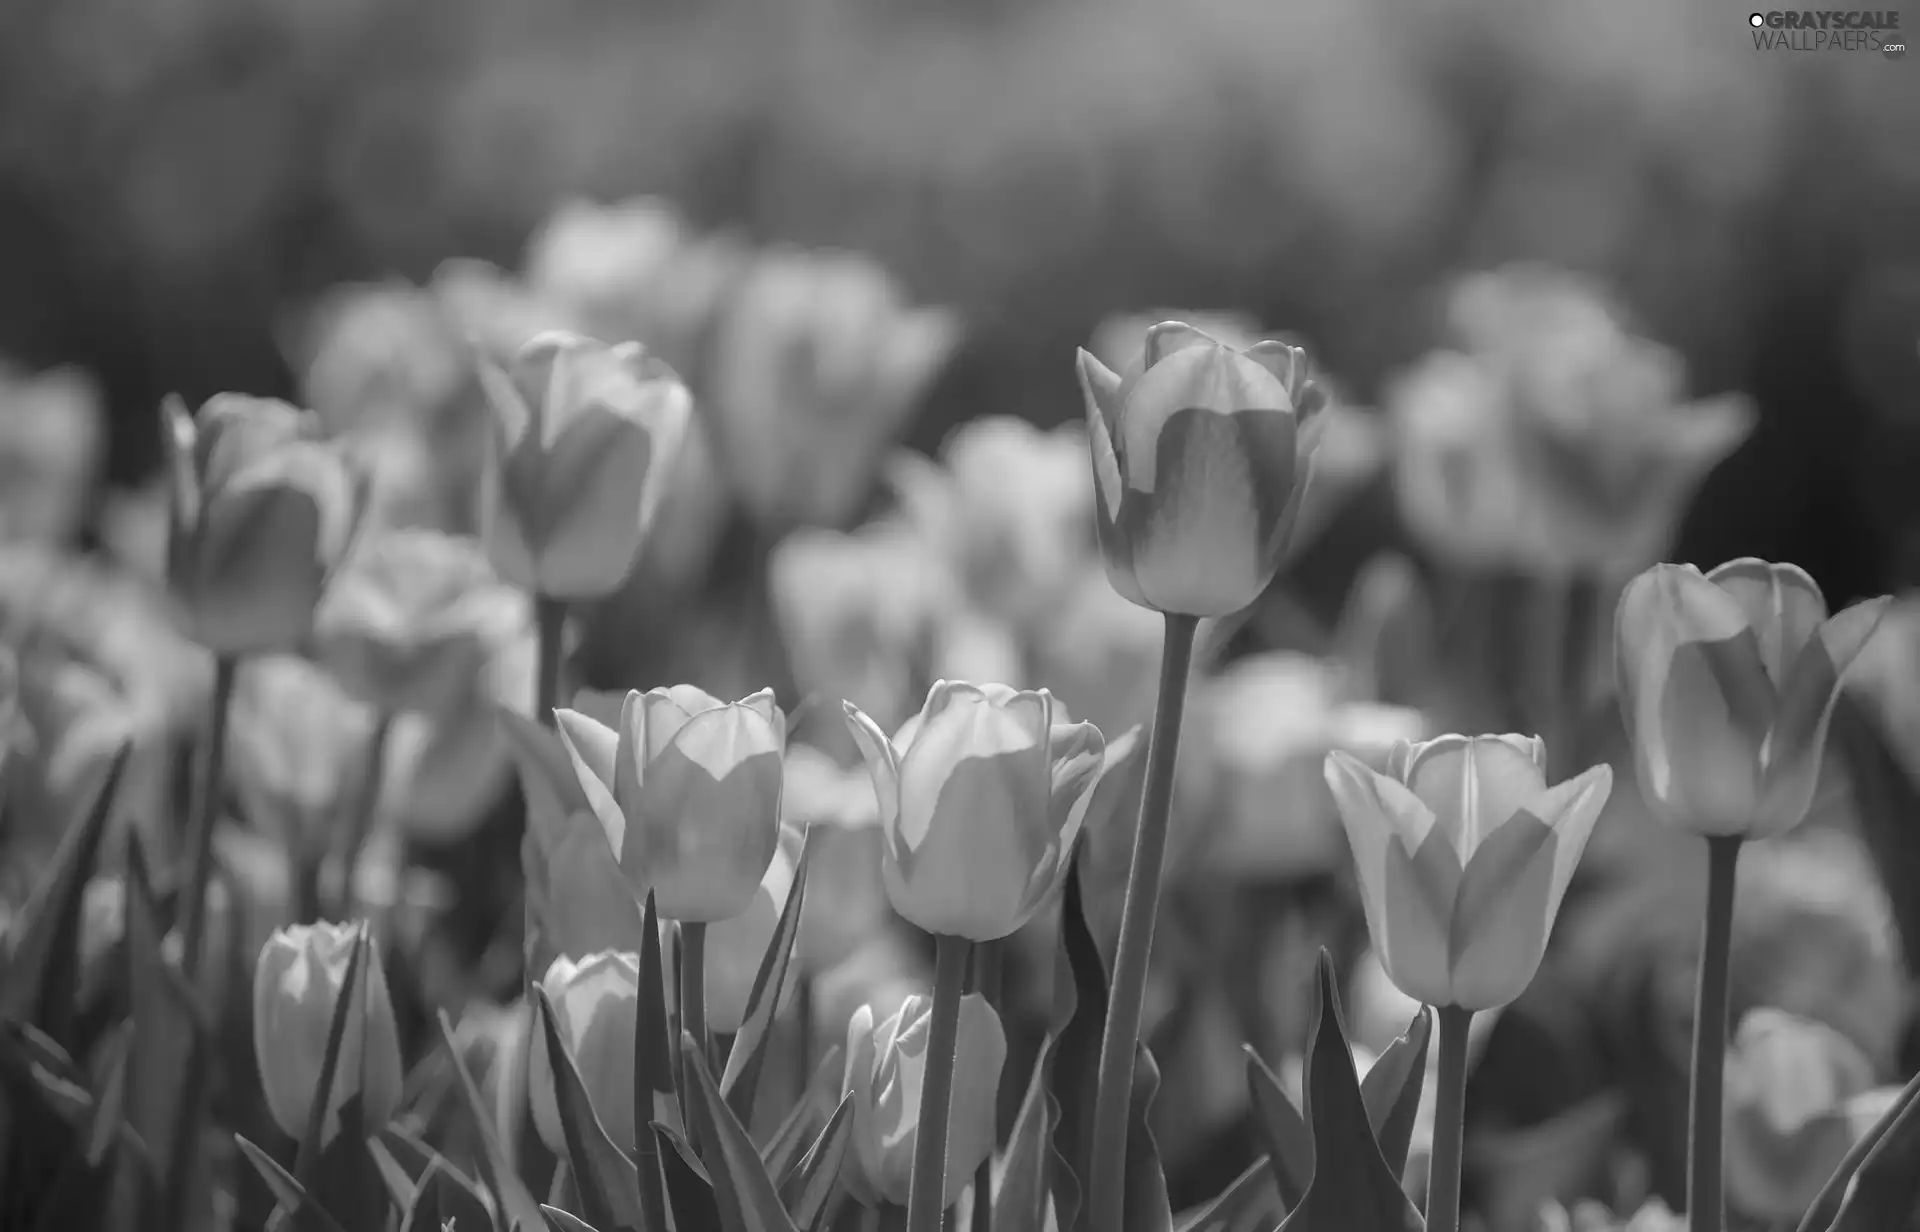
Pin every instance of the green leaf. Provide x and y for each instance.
(443, 1198)
(1283, 1131)
(694, 1207)
(42, 964)
(559, 1221)
(1250, 1204)
(790, 1139)
(510, 1196)
(1392, 1088)
(305, 1212)
(1148, 1208)
(352, 993)
(742, 1189)
(741, 1079)
(1020, 1199)
(1825, 1207)
(804, 1190)
(1073, 1062)
(402, 1186)
(1352, 1189)
(1886, 1188)
(46, 1114)
(608, 1184)
(654, 1096)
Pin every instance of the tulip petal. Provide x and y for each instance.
(1287, 362)
(883, 769)
(666, 711)
(1793, 749)
(631, 760)
(1498, 930)
(1407, 908)
(707, 821)
(969, 726)
(1782, 604)
(593, 749)
(1474, 784)
(1078, 752)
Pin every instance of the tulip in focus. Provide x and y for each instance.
(981, 796)
(596, 1006)
(1200, 456)
(296, 984)
(1463, 854)
(588, 435)
(1727, 684)
(413, 617)
(688, 789)
(259, 512)
(886, 1069)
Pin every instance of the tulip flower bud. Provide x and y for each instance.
(596, 1006)
(981, 796)
(588, 435)
(298, 982)
(259, 511)
(885, 1068)
(1200, 457)
(688, 790)
(413, 617)
(1463, 854)
(1727, 684)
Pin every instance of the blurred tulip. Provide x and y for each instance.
(860, 613)
(1591, 1216)
(588, 435)
(688, 790)
(886, 1067)
(494, 311)
(412, 618)
(846, 898)
(379, 355)
(1101, 654)
(1206, 537)
(735, 946)
(981, 797)
(1795, 1093)
(301, 974)
(596, 1006)
(818, 362)
(1266, 725)
(1727, 684)
(259, 513)
(1011, 509)
(298, 746)
(1463, 854)
(51, 437)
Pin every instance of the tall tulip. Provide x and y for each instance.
(1200, 457)
(981, 797)
(886, 1069)
(297, 983)
(588, 434)
(1728, 681)
(596, 1006)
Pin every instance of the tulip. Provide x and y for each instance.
(588, 435)
(298, 745)
(688, 791)
(596, 1008)
(819, 361)
(885, 1070)
(1200, 455)
(296, 986)
(1727, 683)
(52, 431)
(258, 513)
(1463, 854)
(413, 617)
(981, 798)
(1116, 341)
(380, 355)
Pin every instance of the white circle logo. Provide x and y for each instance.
(1757, 20)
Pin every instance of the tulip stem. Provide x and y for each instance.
(926, 1194)
(986, 982)
(1449, 1121)
(1705, 1157)
(206, 811)
(1106, 1183)
(550, 627)
(693, 985)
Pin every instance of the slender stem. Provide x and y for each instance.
(365, 808)
(550, 626)
(926, 1195)
(987, 961)
(206, 811)
(1705, 1157)
(1121, 1036)
(1449, 1122)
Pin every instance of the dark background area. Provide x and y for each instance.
(178, 178)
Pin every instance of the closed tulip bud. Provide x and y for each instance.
(981, 798)
(1727, 684)
(413, 617)
(1200, 457)
(688, 790)
(259, 511)
(296, 985)
(588, 436)
(596, 1004)
(885, 1071)
(1463, 854)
